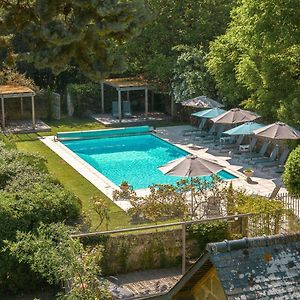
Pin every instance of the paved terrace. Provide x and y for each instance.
(262, 181)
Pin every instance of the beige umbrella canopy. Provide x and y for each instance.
(235, 116)
(278, 131)
(191, 166)
(202, 102)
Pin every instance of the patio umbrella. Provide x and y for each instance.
(209, 113)
(235, 116)
(278, 131)
(202, 102)
(191, 166)
(244, 129)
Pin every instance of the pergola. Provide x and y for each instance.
(11, 91)
(125, 85)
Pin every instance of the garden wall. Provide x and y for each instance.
(133, 252)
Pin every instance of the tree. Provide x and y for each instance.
(57, 257)
(291, 175)
(256, 61)
(191, 23)
(56, 34)
(191, 77)
(101, 208)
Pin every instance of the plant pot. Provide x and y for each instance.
(248, 175)
(124, 187)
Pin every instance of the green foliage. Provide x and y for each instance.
(11, 76)
(101, 208)
(191, 77)
(291, 175)
(190, 23)
(58, 258)
(257, 59)
(209, 232)
(57, 33)
(28, 196)
(85, 97)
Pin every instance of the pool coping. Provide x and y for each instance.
(101, 182)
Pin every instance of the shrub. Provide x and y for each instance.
(28, 196)
(85, 97)
(209, 232)
(291, 175)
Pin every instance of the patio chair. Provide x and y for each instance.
(127, 109)
(216, 135)
(247, 148)
(189, 132)
(261, 152)
(203, 134)
(231, 145)
(115, 109)
(264, 159)
(281, 161)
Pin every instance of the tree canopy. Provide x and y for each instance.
(256, 61)
(56, 34)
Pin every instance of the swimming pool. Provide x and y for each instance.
(134, 158)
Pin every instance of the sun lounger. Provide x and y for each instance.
(115, 109)
(247, 147)
(196, 130)
(281, 161)
(203, 134)
(215, 136)
(264, 159)
(227, 146)
(127, 109)
(261, 152)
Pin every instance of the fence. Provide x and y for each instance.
(291, 202)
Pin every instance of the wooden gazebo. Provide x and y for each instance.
(125, 85)
(11, 91)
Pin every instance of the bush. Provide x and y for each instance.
(85, 97)
(205, 233)
(28, 196)
(291, 175)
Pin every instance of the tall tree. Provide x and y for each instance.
(257, 60)
(189, 22)
(55, 33)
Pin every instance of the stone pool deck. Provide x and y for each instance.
(263, 182)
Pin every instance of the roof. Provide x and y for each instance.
(129, 82)
(11, 91)
(250, 268)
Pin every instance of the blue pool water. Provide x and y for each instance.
(133, 158)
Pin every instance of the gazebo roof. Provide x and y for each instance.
(126, 83)
(13, 91)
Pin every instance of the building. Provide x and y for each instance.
(250, 268)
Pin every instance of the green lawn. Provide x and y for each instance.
(68, 177)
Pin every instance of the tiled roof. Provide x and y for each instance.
(259, 268)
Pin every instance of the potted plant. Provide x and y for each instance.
(124, 186)
(248, 172)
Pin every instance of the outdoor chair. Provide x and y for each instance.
(127, 109)
(264, 159)
(216, 135)
(115, 109)
(210, 132)
(261, 152)
(247, 148)
(281, 161)
(189, 132)
(225, 147)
